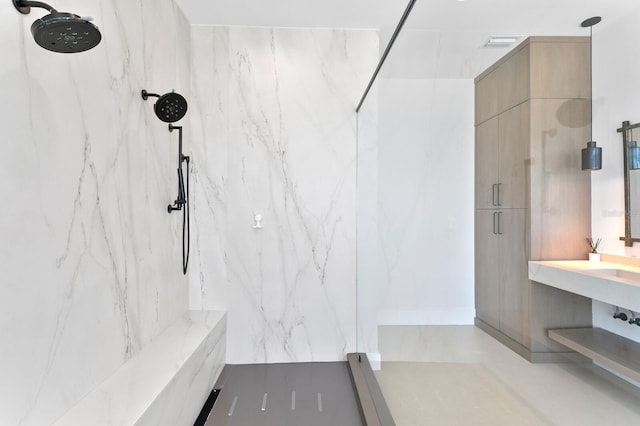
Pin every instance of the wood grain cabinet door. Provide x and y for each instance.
(486, 98)
(486, 163)
(561, 69)
(513, 137)
(487, 267)
(514, 291)
(513, 80)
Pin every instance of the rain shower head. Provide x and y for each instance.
(169, 107)
(60, 31)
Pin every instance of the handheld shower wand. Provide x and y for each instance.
(182, 200)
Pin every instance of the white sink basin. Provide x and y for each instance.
(612, 283)
(620, 273)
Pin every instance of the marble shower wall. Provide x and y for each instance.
(90, 259)
(274, 134)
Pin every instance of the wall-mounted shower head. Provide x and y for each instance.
(60, 31)
(169, 107)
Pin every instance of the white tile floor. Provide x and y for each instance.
(459, 375)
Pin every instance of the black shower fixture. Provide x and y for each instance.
(183, 196)
(60, 31)
(169, 107)
(182, 200)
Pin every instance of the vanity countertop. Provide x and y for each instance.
(611, 282)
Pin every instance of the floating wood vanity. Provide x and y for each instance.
(615, 281)
(610, 350)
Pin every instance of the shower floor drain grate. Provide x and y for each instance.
(310, 394)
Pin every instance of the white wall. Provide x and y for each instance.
(90, 259)
(274, 130)
(425, 168)
(616, 91)
(415, 211)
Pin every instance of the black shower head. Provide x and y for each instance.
(169, 107)
(59, 31)
(65, 33)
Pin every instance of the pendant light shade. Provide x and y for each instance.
(592, 157)
(634, 155)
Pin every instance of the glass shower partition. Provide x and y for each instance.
(415, 191)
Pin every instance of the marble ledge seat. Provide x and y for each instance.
(166, 383)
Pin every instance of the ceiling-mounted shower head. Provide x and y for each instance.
(169, 107)
(60, 31)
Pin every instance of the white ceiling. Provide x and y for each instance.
(295, 13)
(521, 16)
(442, 38)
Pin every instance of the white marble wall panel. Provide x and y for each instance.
(415, 206)
(90, 259)
(277, 129)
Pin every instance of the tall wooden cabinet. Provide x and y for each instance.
(532, 200)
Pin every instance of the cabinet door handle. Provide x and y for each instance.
(499, 185)
(495, 221)
(493, 194)
(499, 223)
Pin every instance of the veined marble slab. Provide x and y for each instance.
(613, 283)
(167, 383)
(90, 259)
(274, 133)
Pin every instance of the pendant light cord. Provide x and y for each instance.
(590, 23)
(591, 75)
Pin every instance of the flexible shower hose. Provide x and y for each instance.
(186, 226)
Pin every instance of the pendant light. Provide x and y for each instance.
(633, 155)
(591, 155)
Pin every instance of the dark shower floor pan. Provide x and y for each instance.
(309, 394)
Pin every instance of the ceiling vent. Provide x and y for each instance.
(501, 41)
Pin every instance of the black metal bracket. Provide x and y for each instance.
(181, 156)
(24, 7)
(394, 36)
(181, 199)
(145, 96)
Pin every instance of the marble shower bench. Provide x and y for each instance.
(166, 383)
